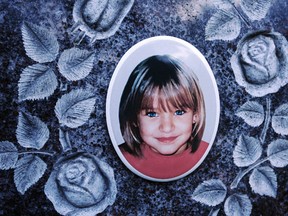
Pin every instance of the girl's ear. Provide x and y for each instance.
(195, 118)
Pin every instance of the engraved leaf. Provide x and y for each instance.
(8, 155)
(211, 192)
(40, 44)
(263, 181)
(278, 153)
(238, 204)
(74, 109)
(223, 25)
(37, 82)
(214, 212)
(75, 64)
(252, 113)
(257, 9)
(223, 4)
(28, 171)
(31, 132)
(280, 120)
(247, 151)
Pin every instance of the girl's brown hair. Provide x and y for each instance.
(176, 86)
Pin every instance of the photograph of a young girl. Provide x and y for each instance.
(162, 118)
(162, 108)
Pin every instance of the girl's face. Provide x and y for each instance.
(166, 131)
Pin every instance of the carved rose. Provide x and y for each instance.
(260, 63)
(81, 184)
(99, 19)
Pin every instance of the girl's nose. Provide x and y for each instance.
(167, 123)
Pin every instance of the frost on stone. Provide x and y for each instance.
(28, 171)
(252, 113)
(81, 184)
(31, 132)
(37, 82)
(223, 25)
(263, 181)
(260, 63)
(277, 153)
(280, 120)
(211, 192)
(74, 109)
(255, 10)
(238, 204)
(247, 151)
(8, 155)
(75, 64)
(39, 43)
(99, 19)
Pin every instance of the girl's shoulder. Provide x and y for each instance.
(203, 143)
(125, 149)
(202, 147)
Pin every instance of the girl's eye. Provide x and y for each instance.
(151, 114)
(179, 112)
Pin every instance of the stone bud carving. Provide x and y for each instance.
(99, 19)
(81, 184)
(260, 62)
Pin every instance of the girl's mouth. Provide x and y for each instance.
(166, 139)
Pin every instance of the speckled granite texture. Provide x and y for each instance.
(136, 196)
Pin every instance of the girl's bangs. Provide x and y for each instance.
(169, 97)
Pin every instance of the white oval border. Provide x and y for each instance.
(187, 53)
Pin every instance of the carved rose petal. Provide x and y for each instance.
(259, 60)
(100, 19)
(260, 63)
(88, 196)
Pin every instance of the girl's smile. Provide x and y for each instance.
(167, 139)
(166, 131)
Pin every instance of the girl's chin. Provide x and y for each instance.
(169, 152)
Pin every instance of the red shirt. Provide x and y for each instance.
(160, 166)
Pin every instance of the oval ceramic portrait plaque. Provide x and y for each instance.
(162, 108)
